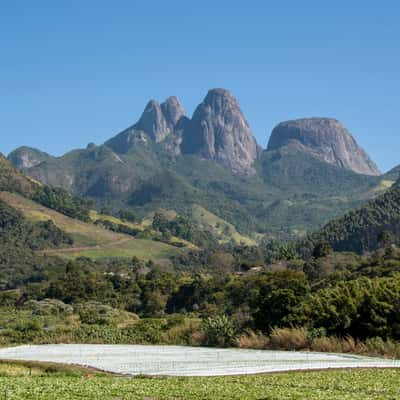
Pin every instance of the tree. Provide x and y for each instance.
(322, 249)
(127, 215)
(385, 239)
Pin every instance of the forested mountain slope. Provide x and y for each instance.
(365, 229)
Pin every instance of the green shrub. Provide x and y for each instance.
(219, 331)
(95, 313)
(49, 307)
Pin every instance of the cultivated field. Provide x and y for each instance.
(36, 382)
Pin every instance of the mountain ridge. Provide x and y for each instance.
(169, 160)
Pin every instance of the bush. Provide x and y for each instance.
(95, 313)
(218, 331)
(49, 307)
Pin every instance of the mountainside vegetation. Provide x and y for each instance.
(290, 194)
(364, 229)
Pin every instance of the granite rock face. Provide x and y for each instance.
(219, 131)
(326, 139)
(27, 157)
(173, 111)
(157, 122)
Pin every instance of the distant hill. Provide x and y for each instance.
(393, 174)
(35, 217)
(27, 157)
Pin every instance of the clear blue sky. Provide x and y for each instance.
(73, 72)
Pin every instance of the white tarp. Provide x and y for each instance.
(188, 361)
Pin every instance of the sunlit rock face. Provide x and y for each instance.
(326, 139)
(220, 132)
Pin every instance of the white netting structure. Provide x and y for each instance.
(188, 361)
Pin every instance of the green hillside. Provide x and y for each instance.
(290, 194)
(366, 228)
(222, 230)
(90, 240)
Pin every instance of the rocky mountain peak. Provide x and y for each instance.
(326, 139)
(157, 122)
(173, 111)
(153, 122)
(218, 95)
(220, 132)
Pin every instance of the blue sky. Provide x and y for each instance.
(73, 72)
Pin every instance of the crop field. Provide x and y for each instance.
(187, 361)
(47, 383)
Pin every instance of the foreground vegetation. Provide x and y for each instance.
(331, 302)
(125, 281)
(46, 382)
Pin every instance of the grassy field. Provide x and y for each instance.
(223, 230)
(91, 240)
(48, 382)
(144, 249)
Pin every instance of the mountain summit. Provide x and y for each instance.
(219, 131)
(326, 139)
(156, 123)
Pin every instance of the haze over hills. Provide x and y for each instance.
(312, 170)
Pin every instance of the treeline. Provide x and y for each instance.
(19, 238)
(60, 200)
(353, 301)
